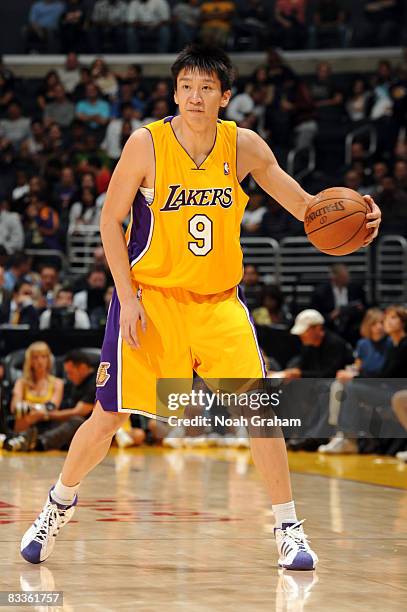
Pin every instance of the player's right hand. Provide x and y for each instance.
(131, 311)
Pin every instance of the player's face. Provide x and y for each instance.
(199, 96)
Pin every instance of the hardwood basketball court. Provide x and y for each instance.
(174, 530)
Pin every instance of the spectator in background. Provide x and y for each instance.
(5, 298)
(16, 128)
(216, 19)
(341, 303)
(60, 110)
(45, 93)
(99, 314)
(357, 104)
(186, 17)
(276, 222)
(7, 94)
(84, 79)
(93, 110)
(381, 25)
(65, 190)
(400, 174)
(41, 225)
(252, 287)
(55, 428)
(21, 185)
(354, 180)
(63, 314)
(108, 26)
(41, 34)
(382, 101)
(393, 203)
(48, 286)
(253, 214)
(72, 27)
(289, 18)
(36, 141)
(325, 93)
(126, 96)
(251, 25)
(148, 24)
(37, 391)
(69, 75)
(11, 229)
(103, 78)
(272, 310)
(93, 295)
(21, 308)
(84, 212)
(19, 267)
(328, 28)
(113, 141)
(159, 111)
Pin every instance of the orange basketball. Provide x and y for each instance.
(335, 221)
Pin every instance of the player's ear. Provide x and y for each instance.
(175, 97)
(225, 98)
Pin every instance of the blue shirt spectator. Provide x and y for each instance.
(372, 354)
(46, 13)
(93, 110)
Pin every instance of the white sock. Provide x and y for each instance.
(284, 513)
(62, 494)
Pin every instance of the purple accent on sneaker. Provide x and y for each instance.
(302, 562)
(32, 552)
(61, 506)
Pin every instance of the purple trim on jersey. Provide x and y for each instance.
(107, 395)
(140, 227)
(242, 299)
(168, 119)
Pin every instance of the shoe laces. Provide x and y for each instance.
(46, 521)
(16, 442)
(297, 534)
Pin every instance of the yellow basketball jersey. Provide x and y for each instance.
(188, 237)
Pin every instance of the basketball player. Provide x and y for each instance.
(176, 306)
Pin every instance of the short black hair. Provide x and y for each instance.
(78, 357)
(205, 59)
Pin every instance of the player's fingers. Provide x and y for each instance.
(126, 334)
(143, 318)
(133, 333)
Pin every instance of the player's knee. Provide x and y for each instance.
(105, 424)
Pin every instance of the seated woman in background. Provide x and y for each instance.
(273, 311)
(37, 391)
(362, 400)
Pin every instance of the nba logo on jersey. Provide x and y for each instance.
(226, 169)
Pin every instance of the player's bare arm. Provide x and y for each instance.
(133, 170)
(256, 158)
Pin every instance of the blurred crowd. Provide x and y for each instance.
(140, 26)
(61, 137)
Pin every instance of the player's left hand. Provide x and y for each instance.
(374, 219)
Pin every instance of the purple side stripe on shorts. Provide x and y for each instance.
(141, 228)
(242, 300)
(107, 394)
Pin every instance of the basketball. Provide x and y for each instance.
(335, 221)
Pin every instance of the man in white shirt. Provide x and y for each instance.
(148, 22)
(64, 309)
(70, 74)
(11, 229)
(112, 142)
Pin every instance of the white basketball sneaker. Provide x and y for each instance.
(39, 540)
(293, 547)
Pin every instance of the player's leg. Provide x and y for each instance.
(225, 345)
(88, 448)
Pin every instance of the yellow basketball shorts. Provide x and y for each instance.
(211, 334)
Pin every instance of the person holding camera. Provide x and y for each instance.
(63, 314)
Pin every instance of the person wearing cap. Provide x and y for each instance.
(322, 354)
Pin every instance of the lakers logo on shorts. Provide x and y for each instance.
(102, 376)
